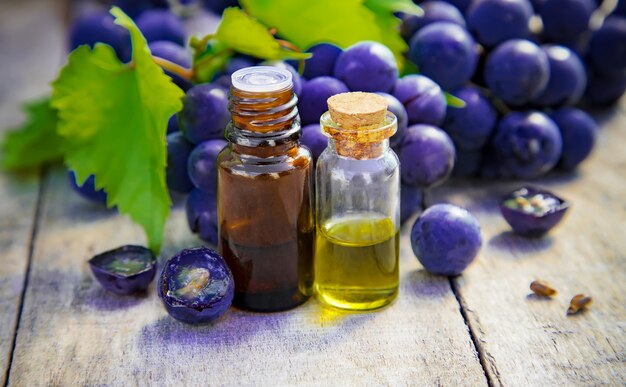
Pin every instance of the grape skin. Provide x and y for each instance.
(517, 71)
(565, 21)
(607, 49)
(567, 80)
(201, 210)
(367, 66)
(88, 189)
(495, 21)
(314, 139)
(579, 133)
(202, 165)
(323, 61)
(434, 11)
(99, 27)
(470, 126)
(178, 151)
(176, 54)
(205, 113)
(397, 108)
(444, 52)
(422, 98)
(312, 103)
(161, 24)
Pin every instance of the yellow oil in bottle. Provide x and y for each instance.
(356, 261)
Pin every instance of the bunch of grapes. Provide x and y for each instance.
(519, 66)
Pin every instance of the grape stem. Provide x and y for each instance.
(174, 68)
(292, 47)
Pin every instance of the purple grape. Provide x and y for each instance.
(444, 52)
(434, 11)
(175, 54)
(367, 66)
(567, 80)
(322, 63)
(410, 201)
(88, 189)
(604, 90)
(134, 8)
(172, 124)
(579, 133)
(218, 6)
(526, 145)
(467, 163)
(202, 164)
(607, 49)
(446, 239)
(565, 21)
(461, 5)
(201, 209)
(295, 76)
(517, 71)
(178, 151)
(205, 113)
(422, 98)
(312, 103)
(196, 286)
(495, 21)
(532, 223)
(620, 8)
(161, 24)
(125, 270)
(99, 27)
(398, 110)
(426, 156)
(314, 139)
(470, 126)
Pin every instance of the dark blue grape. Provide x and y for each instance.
(434, 11)
(314, 139)
(422, 98)
(494, 21)
(444, 52)
(322, 63)
(161, 24)
(607, 49)
(126, 270)
(176, 54)
(526, 145)
(517, 71)
(565, 21)
(88, 189)
(172, 124)
(604, 90)
(312, 103)
(426, 156)
(205, 113)
(411, 199)
(567, 80)
(579, 133)
(295, 76)
(461, 5)
(467, 163)
(201, 209)
(471, 126)
(99, 27)
(620, 8)
(367, 66)
(202, 165)
(218, 6)
(398, 110)
(446, 239)
(196, 286)
(134, 8)
(178, 151)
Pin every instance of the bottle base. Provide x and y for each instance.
(357, 299)
(276, 301)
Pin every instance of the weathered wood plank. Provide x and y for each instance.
(31, 43)
(73, 332)
(524, 340)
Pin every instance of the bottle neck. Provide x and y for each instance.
(358, 151)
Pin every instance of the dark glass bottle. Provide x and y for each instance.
(266, 221)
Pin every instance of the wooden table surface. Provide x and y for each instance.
(58, 327)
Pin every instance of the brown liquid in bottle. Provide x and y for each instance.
(265, 203)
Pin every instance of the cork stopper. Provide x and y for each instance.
(357, 110)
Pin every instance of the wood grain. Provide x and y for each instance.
(73, 332)
(31, 44)
(524, 340)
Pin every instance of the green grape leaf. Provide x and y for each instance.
(114, 117)
(453, 101)
(343, 23)
(36, 142)
(246, 35)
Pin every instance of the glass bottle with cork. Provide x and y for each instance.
(266, 221)
(358, 205)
